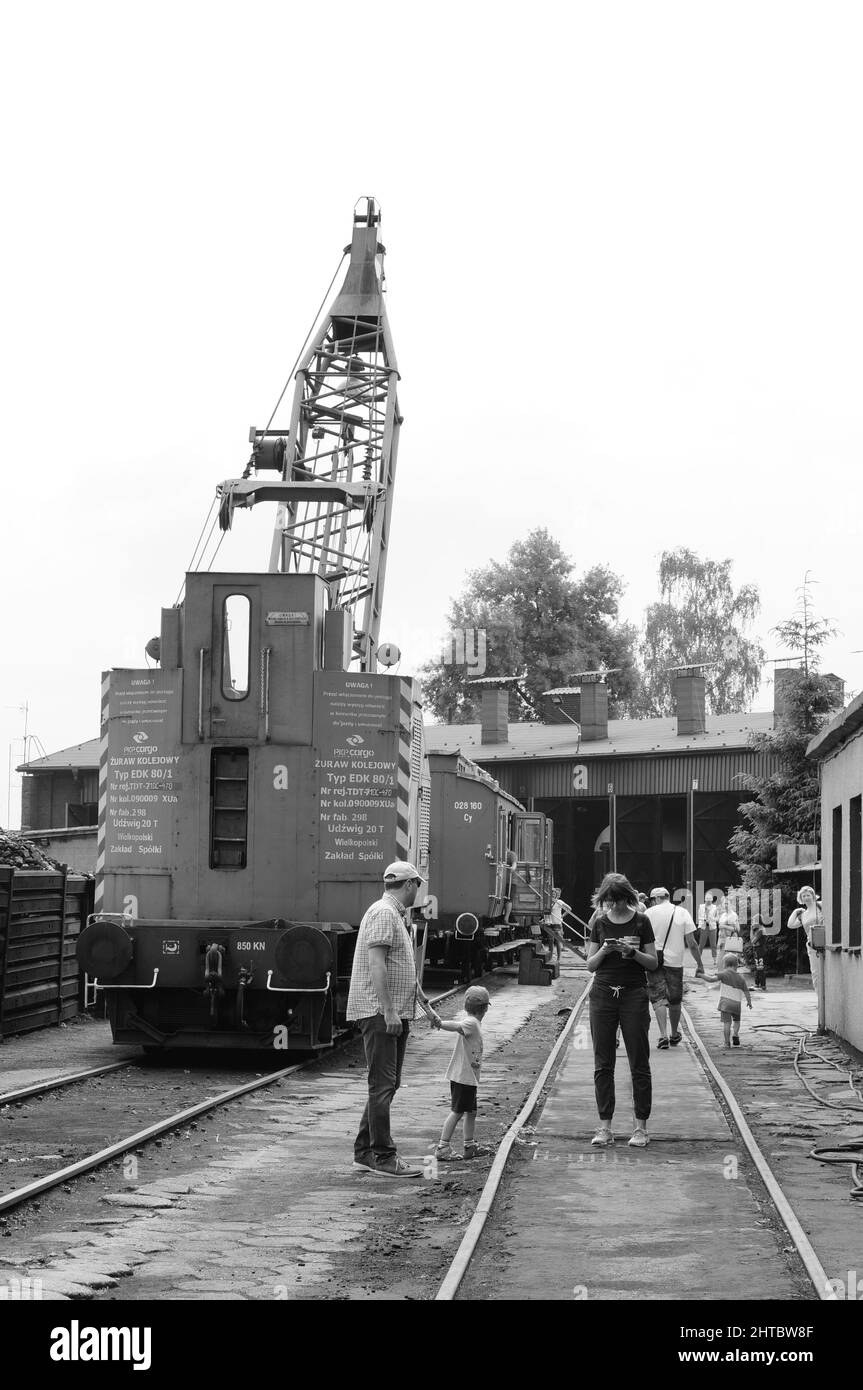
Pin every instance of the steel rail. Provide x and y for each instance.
(813, 1266)
(465, 1252)
(96, 1160)
(58, 1082)
(84, 1165)
(457, 1270)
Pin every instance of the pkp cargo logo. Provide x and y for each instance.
(354, 740)
(140, 737)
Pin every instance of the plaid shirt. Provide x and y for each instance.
(383, 925)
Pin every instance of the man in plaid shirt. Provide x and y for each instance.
(382, 999)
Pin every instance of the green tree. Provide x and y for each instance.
(528, 616)
(786, 803)
(700, 619)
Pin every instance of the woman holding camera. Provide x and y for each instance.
(621, 949)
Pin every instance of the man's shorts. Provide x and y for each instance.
(665, 985)
(463, 1098)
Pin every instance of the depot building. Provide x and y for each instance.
(655, 799)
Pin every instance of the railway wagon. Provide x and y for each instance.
(251, 791)
(490, 863)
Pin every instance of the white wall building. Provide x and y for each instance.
(839, 751)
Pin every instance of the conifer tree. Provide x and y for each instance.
(785, 806)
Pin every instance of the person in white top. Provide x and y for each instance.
(728, 930)
(552, 923)
(708, 916)
(463, 1074)
(674, 930)
(807, 916)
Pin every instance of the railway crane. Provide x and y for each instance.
(253, 786)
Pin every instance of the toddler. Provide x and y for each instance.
(463, 1074)
(733, 989)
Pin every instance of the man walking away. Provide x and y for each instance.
(382, 997)
(674, 930)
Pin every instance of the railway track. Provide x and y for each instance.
(471, 1244)
(143, 1072)
(330, 1227)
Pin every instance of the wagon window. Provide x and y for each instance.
(530, 842)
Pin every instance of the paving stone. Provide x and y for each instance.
(136, 1199)
(56, 1284)
(81, 1272)
(167, 1269)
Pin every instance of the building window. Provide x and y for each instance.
(836, 881)
(81, 813)
(855, 867)
(236, 646)
(229, 808)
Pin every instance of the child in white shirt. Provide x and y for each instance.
(463, 1074)
(733, 989)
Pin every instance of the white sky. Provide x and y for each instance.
(625, 281)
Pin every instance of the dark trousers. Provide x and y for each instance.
(384, 1057)
(632, 1012)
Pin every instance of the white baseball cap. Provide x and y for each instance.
(401, 872)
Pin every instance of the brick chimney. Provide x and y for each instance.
(689, 692)
(494, 715)
(594, 710)
(562, 706)
(838, 684)
(783, 677)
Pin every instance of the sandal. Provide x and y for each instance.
(663, 1044)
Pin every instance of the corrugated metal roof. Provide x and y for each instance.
(657, 774)
(627, 738)
(80, 755)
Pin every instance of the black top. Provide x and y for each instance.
(616, 969)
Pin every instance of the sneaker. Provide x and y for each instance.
(365, 1162)
(640, 1138)
(662, 1044)
(397, 1168)
(735, 1042)
(444, 1154)
(476, 1150)
(603, 1137)
(675, 1039)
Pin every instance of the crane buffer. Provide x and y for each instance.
(337, 459)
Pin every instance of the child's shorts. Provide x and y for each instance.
(729, 1009)
(463, 1098)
